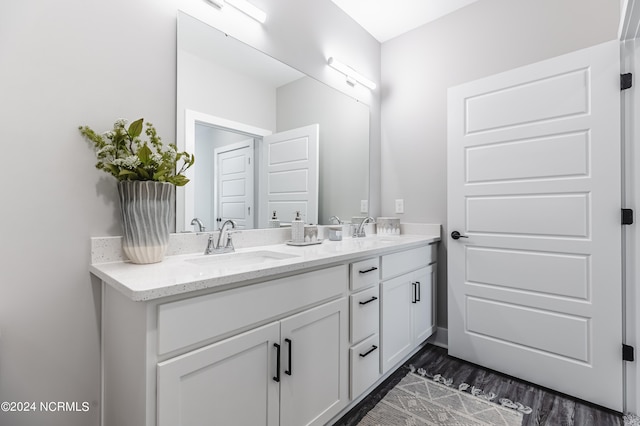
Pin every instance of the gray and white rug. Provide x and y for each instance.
(421, 401)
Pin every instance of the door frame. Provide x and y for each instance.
(630, 62)
(185, 195)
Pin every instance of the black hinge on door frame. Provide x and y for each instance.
(626, 81)
(627, 217)
(627, 353)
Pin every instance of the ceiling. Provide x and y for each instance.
(385, 19)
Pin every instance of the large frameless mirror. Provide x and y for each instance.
(266, 137)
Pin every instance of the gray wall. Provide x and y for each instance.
(76, 62)
(484, 38)
(343, 144)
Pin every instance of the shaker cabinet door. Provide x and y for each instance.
(314, 366)
(226, 383)
(424, 281)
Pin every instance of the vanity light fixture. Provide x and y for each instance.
(217, 3)
(352, 75)
(248, 9)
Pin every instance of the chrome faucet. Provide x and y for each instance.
(336, 218)
(359, 232)
(216, 248)
(196, 221)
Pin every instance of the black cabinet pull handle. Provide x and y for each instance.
(373, 268)
(418, 291)
(369, 301)
(373, 348)
(414, 293)
(288, 372)
(276, 378)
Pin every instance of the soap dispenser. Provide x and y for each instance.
(274, 222)
(297, 229)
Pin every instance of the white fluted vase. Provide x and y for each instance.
(147, 215)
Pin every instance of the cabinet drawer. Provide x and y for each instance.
(365, 359)
(365, 314)
(187, 322)
(406, 261)
(365, 273)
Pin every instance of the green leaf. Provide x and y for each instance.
(142, 173)
(135, 128)
(144, 154)
(114, 170)
(160, 173)
(178, 180)
(128, 173)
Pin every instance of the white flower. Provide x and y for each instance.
(130, 162)
(121, 122)
(156, 158)
(107, 149)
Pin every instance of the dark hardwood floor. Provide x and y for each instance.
(549, 408)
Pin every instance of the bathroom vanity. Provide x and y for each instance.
(268, 335)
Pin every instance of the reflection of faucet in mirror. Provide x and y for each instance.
(360, 230)
(336, 219)
(198, 222)
(218, 248)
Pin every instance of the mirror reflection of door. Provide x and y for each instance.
(233, 184)
(289, 175)
(246, 173)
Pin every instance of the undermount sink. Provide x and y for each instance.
(235, 259)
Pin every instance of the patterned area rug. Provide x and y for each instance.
(420, 401)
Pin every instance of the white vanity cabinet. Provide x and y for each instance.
(407, 305)
(295, 345)
(269, 353)
(284, 373)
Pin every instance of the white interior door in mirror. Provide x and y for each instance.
(233, 188)
(289, 175)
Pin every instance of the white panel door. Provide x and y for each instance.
(233, 189)
(534, 182)
(289, 175)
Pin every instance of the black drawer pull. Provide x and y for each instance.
(288, 372)
(276, 378)
(369, 351)
(418, 292)
(414, 293)
(373, 268)
(369, 301)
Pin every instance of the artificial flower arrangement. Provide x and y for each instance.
(122, 153)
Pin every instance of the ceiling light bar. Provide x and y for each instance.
(350, 73)
(248, 9)
(216, 3)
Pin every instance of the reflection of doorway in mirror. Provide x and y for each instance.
(233, 184)
(283, 176)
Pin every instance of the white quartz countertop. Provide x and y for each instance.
(190, 272)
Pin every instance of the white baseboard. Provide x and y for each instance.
(440, 338)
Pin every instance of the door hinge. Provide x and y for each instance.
(627, 216)
(627, 353)
(626, 81)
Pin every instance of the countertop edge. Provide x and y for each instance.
(234, 280)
